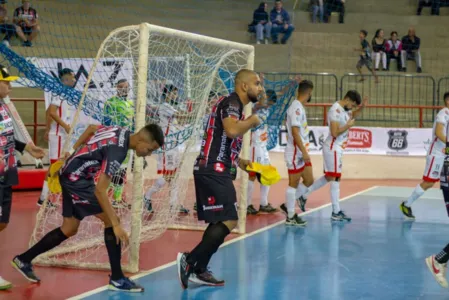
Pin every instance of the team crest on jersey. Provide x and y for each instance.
(397, 140)
(298, 112)
(219, 167)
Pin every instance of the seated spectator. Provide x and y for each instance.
(26, 17)
(281, 23)
(434, 4)
(378, 44)
(337, 6)
(410, 50)
(9, 30)
(394, 48)
(261, 23)
(317, 6)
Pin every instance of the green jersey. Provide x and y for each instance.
(118, 112)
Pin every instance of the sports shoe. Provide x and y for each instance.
(250, 210)
(182, 210)
(148, 205)
(4, 284)
(6, 43)
(125, 285)
(49, 203)
(267, 209)
(340, 216)
(26, 269)
(407, 211)
(195, 207)
(296, 221)
(284, 209)
(438, 270)
(206, 278)
(184, 269)
(302, 203)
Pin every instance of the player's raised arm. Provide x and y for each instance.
(359, 110)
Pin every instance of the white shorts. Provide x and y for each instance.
(332, 162)
(260, 155)
(294, 161)
(56, 144)
(168, 162)
(434, 165)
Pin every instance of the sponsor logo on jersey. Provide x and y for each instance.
(211, 200)
(298, 112)
(219, 167)
(213, 207)
(397, 140)
(359, 138)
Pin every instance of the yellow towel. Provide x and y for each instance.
(266, 174)
(53, 177)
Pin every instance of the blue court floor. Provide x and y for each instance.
(376, 256)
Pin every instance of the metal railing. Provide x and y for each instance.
(443, 87)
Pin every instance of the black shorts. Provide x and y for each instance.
(27, 30)
(78, 199)
(5, 203)
(216, 198)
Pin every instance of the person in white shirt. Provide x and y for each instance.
(341, 118)
(434, 160)
(59, 117)
(296, 153)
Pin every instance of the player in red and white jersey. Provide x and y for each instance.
(434, 160)
(296, 153)
(340, 118)
(60, 115)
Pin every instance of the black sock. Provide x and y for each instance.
(48, 242)
(212, 239)
(114, 252)
(443, 256)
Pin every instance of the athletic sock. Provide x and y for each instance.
(114, 253)
(213, 237)
(290, 200)
(250, 193)
(417, 192)
(49, 241)
(44, 193)
(335, 196)
(264, 190)
(156, 187)
(301, 190)
(443, 256)
(317, 184)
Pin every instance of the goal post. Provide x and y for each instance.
(132, 49)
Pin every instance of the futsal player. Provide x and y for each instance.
(341, 117)
(296, 154)
(8, 163)
(215, 193)
(99, 149)
(434, 160)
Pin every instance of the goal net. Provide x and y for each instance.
(173, 78)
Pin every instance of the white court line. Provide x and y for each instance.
(241, 237)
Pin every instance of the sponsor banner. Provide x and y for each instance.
(370, 140)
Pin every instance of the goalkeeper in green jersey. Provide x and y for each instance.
(119, 111)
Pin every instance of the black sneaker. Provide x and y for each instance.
(26, 269)
(250, 210)
(302, 203)
(284, 209)
(206, 278)
(148, 205)
(184, 269)
(295, 221)
(407, 211)
(50, 204)
(340, 216)
(419, 70)
(267, 209)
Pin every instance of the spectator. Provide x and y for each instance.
(378, 44)
(281, 23)
(9, 29)
(337, 6)
(317, 7)
(261, 23)
(26, 17)
(410, 50)
(365, 56)
(434, 4)
(394, 48)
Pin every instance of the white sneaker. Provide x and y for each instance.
(266, 41)
(258, 42)
(438, 270)
(4, 285)
(6, 43)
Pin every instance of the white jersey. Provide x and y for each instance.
(65, 111)
(259, 135)
(166, 114)
(337, 114)
(296, 117)
(437, 146)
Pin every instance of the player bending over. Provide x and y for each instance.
(434, 160)
(341, 118)
(215, 193)
(99, 149)
(296, 153)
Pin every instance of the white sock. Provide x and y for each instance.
(157, 185)
(317, 184)
(264, 189)
(335, 196)
(249, 195)
(301, 190)
(290, 196)
(417, 192)
(173, 196)
(44, 193)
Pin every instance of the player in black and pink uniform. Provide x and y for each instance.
(213, 172)
(99, 149)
